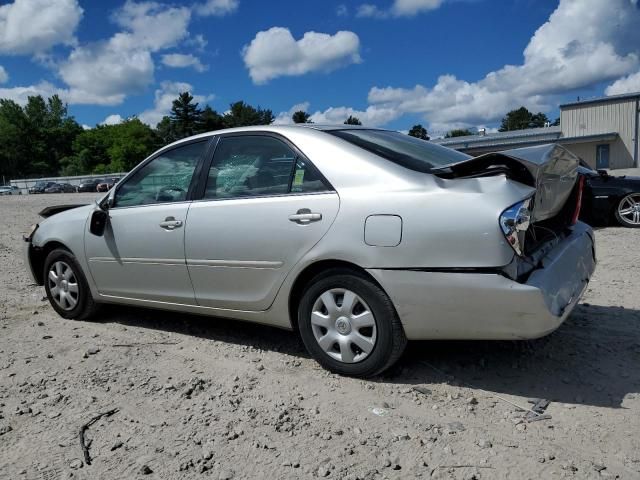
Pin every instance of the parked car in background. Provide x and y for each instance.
(90, 185)
(40, 187)
(10, 190)
(107, 184)
(60, 188)
(359, 239)
(609, 198)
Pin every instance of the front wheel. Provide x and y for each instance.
(349, 325)
(66, 286)
(628, 211)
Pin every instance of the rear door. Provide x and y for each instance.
(141, 254)
(263, 207)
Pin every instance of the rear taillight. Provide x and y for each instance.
(514, 222)
(576, 212)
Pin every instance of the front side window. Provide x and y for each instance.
(409, 152)
(249, 166)
(165, 179)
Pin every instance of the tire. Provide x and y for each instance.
(369, 318)
(629, 203)
(71, 298)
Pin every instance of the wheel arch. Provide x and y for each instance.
(311, 271)
(37, 257)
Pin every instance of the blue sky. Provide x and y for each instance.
(392, 63)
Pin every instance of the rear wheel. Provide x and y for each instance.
(349, 324)
(628, 211)
(66, 286)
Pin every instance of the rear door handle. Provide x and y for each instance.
(170, 223)
(305, 216)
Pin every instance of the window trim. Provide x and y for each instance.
(204, 175)
(197, 172)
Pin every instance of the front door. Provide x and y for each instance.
(264, 207)
(141, 254)
(602, 156)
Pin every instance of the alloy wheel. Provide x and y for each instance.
(629, 209)
(343, 325)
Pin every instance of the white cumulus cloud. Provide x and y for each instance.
(399, 8)
(151, 25)
(113, 119)
(628, 84)
(372, 116)
(180, 60)
(582, 44)
(106, 72)
(274, 53)
(4, 76)
(21, 93)
(34, 26)
(216, 8)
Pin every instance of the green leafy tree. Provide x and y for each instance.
(165, 131)
(185, 115)
(110, 148)
(419, 131)
(131, 142)
(35, 138)
(301, 117)
(14, 150)
(352, 121)
(210, 120)
(521, 118)
(242, 114)
(458, 132)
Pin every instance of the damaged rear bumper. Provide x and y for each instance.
(490, 306)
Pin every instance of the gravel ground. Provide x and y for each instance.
(201, 397)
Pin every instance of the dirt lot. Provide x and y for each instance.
(204, 397)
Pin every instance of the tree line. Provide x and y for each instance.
(42, 139)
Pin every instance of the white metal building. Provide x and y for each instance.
(603, 132)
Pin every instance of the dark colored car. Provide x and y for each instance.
(40, 187)
(60, 188)
(107, 184)
(90, 185)
(610, 198)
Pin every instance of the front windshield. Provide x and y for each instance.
(409, 152)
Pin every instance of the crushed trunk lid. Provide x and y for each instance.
(551, 169)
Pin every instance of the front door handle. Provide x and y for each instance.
(305, 216)
(170, 223)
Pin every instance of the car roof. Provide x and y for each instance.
(281, 129)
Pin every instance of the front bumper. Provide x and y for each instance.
(27, 255)
(487, 306)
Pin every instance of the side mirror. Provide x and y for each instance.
(603, 173)
(99, 219)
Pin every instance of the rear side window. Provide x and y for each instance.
(257, 166)
(306, 179)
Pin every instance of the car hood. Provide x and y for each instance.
(56, 209)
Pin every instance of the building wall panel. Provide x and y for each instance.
(615, 116)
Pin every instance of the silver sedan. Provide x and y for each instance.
(359, 239)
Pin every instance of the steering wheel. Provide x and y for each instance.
(163, 192)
